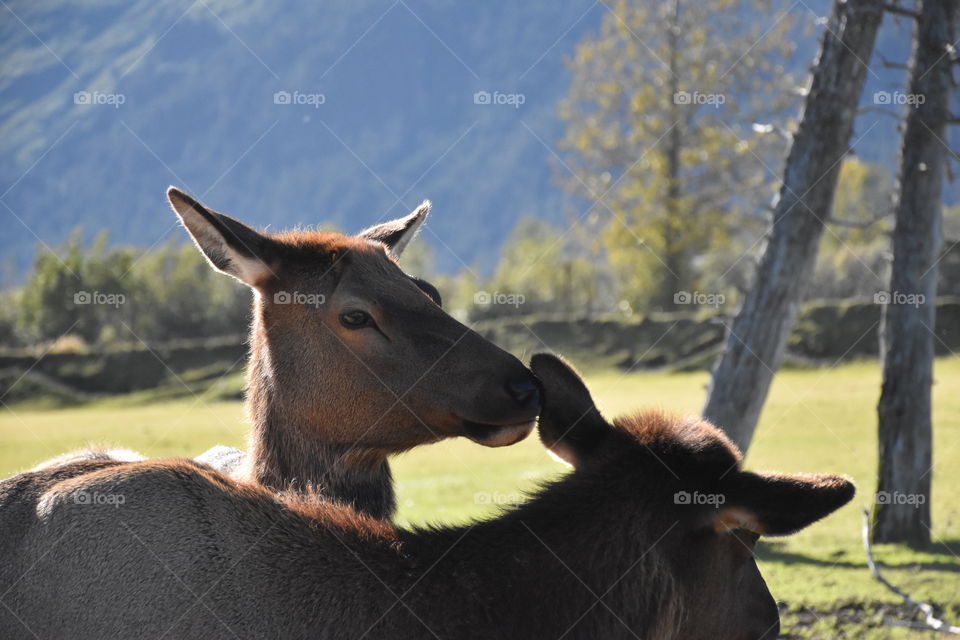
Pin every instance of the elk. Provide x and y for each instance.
(611, 550)
(351, 360)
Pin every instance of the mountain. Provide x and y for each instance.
(299, 112)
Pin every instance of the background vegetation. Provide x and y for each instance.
(102, 294)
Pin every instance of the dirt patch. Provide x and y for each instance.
(860, 620)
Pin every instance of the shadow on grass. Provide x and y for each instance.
(942, 557)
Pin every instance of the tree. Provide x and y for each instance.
(105, 294)
(902, 511)
(48, 301)
(756, 341)
(853, 259)
(660, 132)
(542, 269)
(419, 259)
(180, 296)
(949, 264)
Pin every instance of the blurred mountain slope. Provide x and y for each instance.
(185, 93)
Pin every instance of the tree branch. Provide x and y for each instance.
(931, 622)
(880, 110)
(856, 224)
(900, 11)
(893, 65)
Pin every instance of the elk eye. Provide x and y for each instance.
(355, 319)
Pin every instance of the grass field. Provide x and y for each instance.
(815, 420)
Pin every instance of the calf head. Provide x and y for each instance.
(685, 474)
(352, 350)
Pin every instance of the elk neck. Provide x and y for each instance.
(289, 451)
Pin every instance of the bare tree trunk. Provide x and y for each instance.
(902, 509)
(755, 344)
(673, 260)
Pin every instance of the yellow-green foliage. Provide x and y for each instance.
(660, 137)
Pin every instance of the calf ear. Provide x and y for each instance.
(230, 246)
(398, 233)
(570, 424)
(778, 505)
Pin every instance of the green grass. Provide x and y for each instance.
(815, 420)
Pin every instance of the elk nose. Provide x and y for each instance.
(525, 393)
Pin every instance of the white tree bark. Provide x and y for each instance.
(902, 507)
(756, 341)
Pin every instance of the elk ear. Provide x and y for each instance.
(230, 246)
(778, 505)
(570, 424)
(398, 233)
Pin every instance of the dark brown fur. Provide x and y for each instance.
(606, 552)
